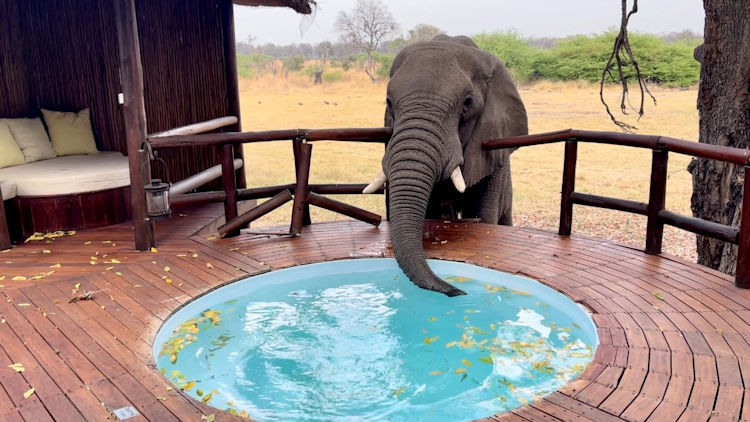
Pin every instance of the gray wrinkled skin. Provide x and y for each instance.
(445, 97)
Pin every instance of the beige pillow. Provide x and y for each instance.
(31, 138)
(10, 154)
(70, 132)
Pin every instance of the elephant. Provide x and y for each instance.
(444, 98)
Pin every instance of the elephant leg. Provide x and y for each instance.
(495, 205)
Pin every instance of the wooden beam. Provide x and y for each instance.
(4, 232)
(742, 278)
(200, 127)
(243, 220)
(232, 80)
(134, 116)
(568, 188)
(230, 184)
(656, 201)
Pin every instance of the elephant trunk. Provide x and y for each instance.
(413, 165)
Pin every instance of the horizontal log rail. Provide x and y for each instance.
(301, 192)
(200, 127)
(654, 210)
(377, 135)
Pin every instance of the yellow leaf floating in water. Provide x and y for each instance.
(17, 367)
(207, 398)
(466, 362)
(456, 279)
(399, 391)
(432, 319)
(436, 373)
(173, 358)
(188, 386)
(521, 292)
(486, 359)
(477, 330)
(28, 393)
(460, 371)
(450, 344)
(429, 340)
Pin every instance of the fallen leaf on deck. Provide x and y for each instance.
(161, 398)
(153, 249)
(19, 278)
(24, 304)
(658, 295)
(209, 265)
(28, 393)
(209, 418)
(166, 269)
(17, 367)
(46, 251)
(58, 265)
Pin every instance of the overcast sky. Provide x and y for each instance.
(535, 18)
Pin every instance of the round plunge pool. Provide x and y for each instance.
(355, 340)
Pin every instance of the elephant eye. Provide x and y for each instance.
(388, 103)
(468, 103)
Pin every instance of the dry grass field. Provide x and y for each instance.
(281, 103)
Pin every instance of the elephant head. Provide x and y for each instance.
(445, 97)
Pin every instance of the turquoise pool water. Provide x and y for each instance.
(354, 340)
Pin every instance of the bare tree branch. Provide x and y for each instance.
(622, 55)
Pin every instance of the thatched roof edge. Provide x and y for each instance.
(300, 6)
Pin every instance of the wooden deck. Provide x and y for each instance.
(675, 344)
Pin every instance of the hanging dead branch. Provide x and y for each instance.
(622, 56)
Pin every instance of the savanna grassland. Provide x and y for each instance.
(280, 102)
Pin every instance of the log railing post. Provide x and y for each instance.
(742, 277)
(230, 185)
(304, 154)
(134, 116)
(568, 187)
(656, 201)
(296, 145)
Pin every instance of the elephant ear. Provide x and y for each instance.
(503, 116)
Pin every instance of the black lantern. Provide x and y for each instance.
(157, 199)
(157, 192)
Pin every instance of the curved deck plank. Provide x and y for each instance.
(674, 337)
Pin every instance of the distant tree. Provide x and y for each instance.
(247, 46)
(366, 27)
(421, 32)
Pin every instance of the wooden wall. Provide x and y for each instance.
(62, 55)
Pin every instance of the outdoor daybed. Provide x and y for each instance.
(52, 186)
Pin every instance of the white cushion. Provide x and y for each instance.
(70, 174)
(8, 189)
(31, 138)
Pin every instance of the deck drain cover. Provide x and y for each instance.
(126, 412)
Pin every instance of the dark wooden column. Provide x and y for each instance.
(568, 187)
(134, 116)
(656, 201)
(232, 82)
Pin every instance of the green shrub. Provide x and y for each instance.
(251, 65)
(332, 76)
(513, 50)
(293, 63)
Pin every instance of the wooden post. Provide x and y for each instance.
(300, 191)
(255, 213)
(568, 187)
(232, 82)
(230, 185)
(296, 145)
(344, 208)
(134, 116)
(4, 232)
(742, 278)
(656, 201)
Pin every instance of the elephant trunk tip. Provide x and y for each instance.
(455, 292)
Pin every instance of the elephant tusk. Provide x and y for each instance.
(458, 180)
(375, 184)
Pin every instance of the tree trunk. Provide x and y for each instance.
(724, 108)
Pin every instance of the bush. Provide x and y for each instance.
(251, 65)
(332, 76)
(293, 63)
(513, 50)
(583, 57)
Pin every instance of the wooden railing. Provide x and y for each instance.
(302, 193)
(655, 210)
